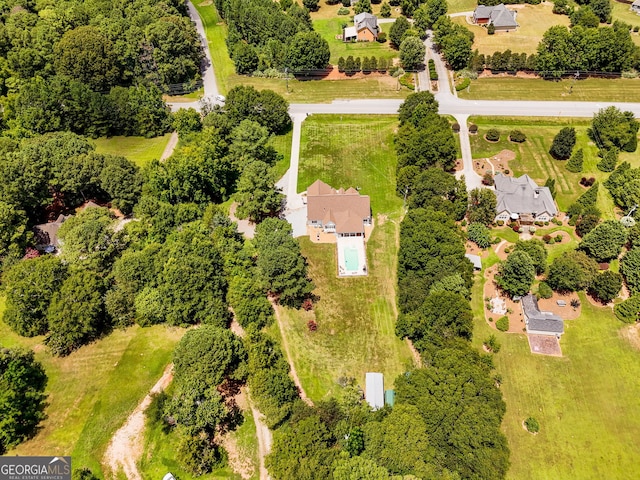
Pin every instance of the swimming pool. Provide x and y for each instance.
(351, 258)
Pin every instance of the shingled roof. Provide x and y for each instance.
(523, 196)
(366, 20)
(538, 321)
(498, 15)
(347, 209)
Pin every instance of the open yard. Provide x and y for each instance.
(533, 21)
(139, 150)
(532, 156)
(301, 91)
(585, 401)
(509, 87)
(355, 316)
(331, 11)
(331, 27)
(83, 412)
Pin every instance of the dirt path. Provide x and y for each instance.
(262, 431)
(171, 146)
(125, 448)
(285, 346)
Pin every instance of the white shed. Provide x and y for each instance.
(374, 390)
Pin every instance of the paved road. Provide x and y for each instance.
(208, 76)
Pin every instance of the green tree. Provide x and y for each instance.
(412, 52)
(265, 107)
(563, 143)
(256, 193)
(586, 224)
(479, 234)
(249, 302)
(245, 57)
(434, 188)
(605, 241)
(121, 180)
(482, 206)
(453, 283)
(22, 402)
(358, 468)
(611, 127)
(84, 53)
(430, 143)
(575, 162)
(609, 160)
(385, 10)
(572, 271)
(517, 274)
(13, 231)
(624, 186)
(421, 103)
(629, 310)
(363, 6)
(606, 285)
(629, 267)
(307, 51)
(311, 5)
(536, 251)
(602, 8)
(30, 286)
(76, 313)
(186, 121)
(397, 30)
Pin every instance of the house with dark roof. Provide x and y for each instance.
(345, 213)
(46, 234)
(499, 16)
(635, 7)
(540, 323)
(365, 29)
(522, 199)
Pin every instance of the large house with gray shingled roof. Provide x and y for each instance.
(343, 212)
(499, 16)
(522, 199)
(365, 29)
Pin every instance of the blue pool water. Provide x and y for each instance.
(351, 259)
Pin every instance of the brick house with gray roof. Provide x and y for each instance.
(499, 16)
(522, 199)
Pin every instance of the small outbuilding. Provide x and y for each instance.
(540, 323)
(374, 390)
(475, 260)
(635, 7)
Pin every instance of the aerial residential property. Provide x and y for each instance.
(365, 29)
(522, 199)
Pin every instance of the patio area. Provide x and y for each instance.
(352, 258)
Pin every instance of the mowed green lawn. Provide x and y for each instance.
(139, 150)
(533, 21)
(355, 316)
(92, 391)
(298, 91)
(586, 402)
(587, 90)
(330, 28)
(533, 158)
(352, 151)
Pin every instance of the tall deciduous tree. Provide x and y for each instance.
(572, 271)
(397, 30)
(517, 274)
(307, 51)
(536, 251)
(482, 206)
(256, 192)
(605, 241)
(412, 52)
(265, 107)
(630, 268)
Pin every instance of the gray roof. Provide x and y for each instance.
(475, 259)
(522, 195)
(498, 15)
(538, 321)
(374, 390)
(636, 3)
(366, 20)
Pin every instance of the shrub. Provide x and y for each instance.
(407, 81)
(517, 136)
(629, 310)
(463, 84)
(532, 425)
(544, 290)
(636, 28)
(455, 127)
(479, 234)
(575, 162)
(500, 223)
(506, 171)
(575, 303)
(563, 143)
(492, 344)
(487, 179)
(492, 135)
(515, 228)
(491, 29)
(609, 160)
(344, 11)
(433, 74)
(312, 325)
(502, 324)
(382, 37)
(546, 238)
(473, 129)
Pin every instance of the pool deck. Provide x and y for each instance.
(358, 244)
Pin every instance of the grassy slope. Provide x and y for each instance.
(83, 412)
(585, 401)
(534, 20)
(282, 144)
(139, 150)
(588, 90)
(461, 5)
(331, 27)
(355, 316)
(532, 157)
(296, 91)
(331, 11)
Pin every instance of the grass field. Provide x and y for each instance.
(533, 21)
(351, 151)
(355, 316)
(329, 28)
(282, 144)
(532, 156)
(139, 150)
(585, 402)
(83, 412)
(300, 91)
(588, 90)
(331, 11)
(622, 12)
(461, 5)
